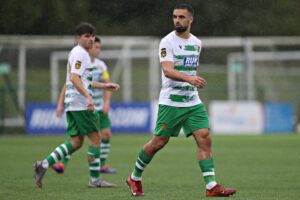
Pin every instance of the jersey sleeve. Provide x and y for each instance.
(80, 62)
(165, 51)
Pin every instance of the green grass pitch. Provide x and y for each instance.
(260, 167)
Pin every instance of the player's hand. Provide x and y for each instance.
(113, 87)
(59, 110)
(90, 104)
(197, 81)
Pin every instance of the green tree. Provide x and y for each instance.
(144, 17)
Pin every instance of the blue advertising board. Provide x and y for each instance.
(125, 118)
(41, 119)
(131, 117)
(279, 118)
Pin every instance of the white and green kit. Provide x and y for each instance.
(79, 62)
(185, 55)
(179, 102)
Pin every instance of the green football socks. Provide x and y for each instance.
(105, 149)
(208, 172)
(58, 154)
(94, 161)
(142, 161)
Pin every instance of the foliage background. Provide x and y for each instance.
(143, 17)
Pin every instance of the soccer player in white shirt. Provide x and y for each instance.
(80, 111)
(180, 105)
(101, 100)
(102, 104)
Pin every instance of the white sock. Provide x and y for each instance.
(93, 179)
(45, 164)
(135, 178)
(210, 185)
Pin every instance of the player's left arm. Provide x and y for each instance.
(113, 87)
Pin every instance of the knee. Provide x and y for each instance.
(105, 135)
(95, 143)
(204, 133)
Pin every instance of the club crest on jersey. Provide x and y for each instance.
(163, 52)
(190, 61)
(78, 64)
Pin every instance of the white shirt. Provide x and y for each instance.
(185, 55)
(79, 62)
(99, 74)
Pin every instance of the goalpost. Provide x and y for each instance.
(240, 71)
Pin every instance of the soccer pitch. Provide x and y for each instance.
(260, 167)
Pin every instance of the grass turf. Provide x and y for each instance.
(260, 167)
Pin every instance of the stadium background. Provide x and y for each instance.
(255, 43)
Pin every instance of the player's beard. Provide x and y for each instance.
(181, 29)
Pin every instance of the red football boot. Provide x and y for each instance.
(220, 191)
(135, 187)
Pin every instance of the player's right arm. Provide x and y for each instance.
(76, 80)
(80, 63)
(60, 102)
(170, 72)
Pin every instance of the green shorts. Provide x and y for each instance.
(81, 122)
(104, 120)
(171, 119)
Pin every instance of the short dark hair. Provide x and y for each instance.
(97, 39)
(189, 8)
(84, 28)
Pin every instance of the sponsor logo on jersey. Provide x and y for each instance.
(163, 52)
(78, 64)
(190, 61)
